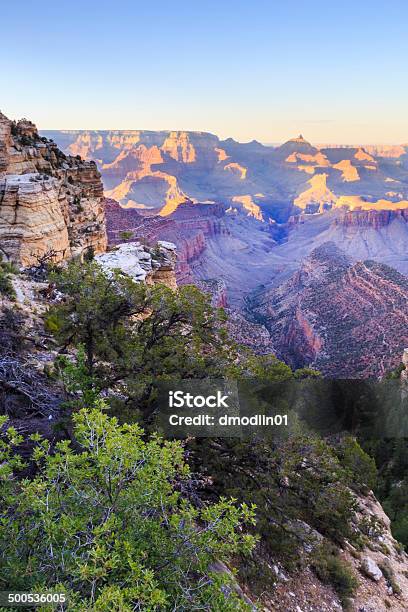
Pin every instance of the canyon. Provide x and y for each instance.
(319, 281)
(347, 320)
(248, 218)
(157, 171)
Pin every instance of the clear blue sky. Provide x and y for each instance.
(335, 71)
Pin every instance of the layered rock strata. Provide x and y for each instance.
(346, 320)
(49, 202)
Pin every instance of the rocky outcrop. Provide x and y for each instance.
(188, 228)
(143, 264)
(344, 319)
(295, 145)
(370, 218)
(371, 569)
(49, 202)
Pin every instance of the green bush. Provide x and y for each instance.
(107, 523)
(126, 235)
(400, 530)
(6, 285)
(361, 467)
(183, 336)
(386, 568)
(293, 483)
(331, 569)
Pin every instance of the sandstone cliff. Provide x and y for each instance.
(49, 202)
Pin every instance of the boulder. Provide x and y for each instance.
(371, 569)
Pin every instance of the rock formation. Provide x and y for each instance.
(49, 202)
(151, 266)
(157, 171)
(344, 319)
(318, 197)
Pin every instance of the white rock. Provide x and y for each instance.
(371, 569)
(128, 258)
(170, 246)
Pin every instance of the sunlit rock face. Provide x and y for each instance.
(49, 202)
(156, 172)
(318, 197)
(33, 218)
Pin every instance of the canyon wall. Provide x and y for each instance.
(344, 319)
(49, 202)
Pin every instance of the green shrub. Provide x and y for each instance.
(400, 530)
(388, 572)
(331, 569)
(107, 523)
(6, 285)
(125, 235)
(52, 322)
(361, 467)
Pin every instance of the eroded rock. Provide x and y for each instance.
(49, 202)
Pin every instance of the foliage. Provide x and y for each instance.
(12, 331)
(361, 467)
(76, 380)
(298, 485)
(396, 506)
(109, 524)
(267, 368)
(6, 285)
(391, 455)
(400, 529)
(395, 374)
(331, 569)
(132, 335)
(126, 235)
(389, 574)
(89, 254)
(135, 334)
(302, 373)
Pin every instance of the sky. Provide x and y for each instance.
(335, 71)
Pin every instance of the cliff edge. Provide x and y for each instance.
(50, 203)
